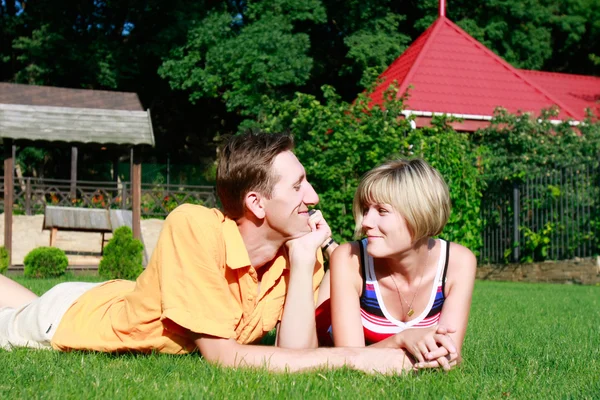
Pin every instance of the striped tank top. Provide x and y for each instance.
(377, 322)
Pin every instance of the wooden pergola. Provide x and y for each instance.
(26, 123)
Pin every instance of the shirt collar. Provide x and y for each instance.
(236, 253)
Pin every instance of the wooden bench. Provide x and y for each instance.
(84, 220)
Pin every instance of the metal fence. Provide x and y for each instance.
(550, 215)
(31, 195)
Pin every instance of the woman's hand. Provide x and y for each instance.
(431, 347)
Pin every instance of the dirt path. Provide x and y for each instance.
(82, 248)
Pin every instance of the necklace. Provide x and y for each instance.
(411, 311)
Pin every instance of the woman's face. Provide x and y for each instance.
(386, 230)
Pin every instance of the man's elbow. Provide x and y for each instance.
(218, 350)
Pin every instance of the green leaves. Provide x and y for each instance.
(338, 142)
(515, 143)
(375, 46)
(241, 67)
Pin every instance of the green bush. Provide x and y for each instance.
(337, 142)
(3, 259)
(122, 256)
(45, 262)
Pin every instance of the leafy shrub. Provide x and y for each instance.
(3, 259)
(337, 142)
(122, 256)
(45, 262)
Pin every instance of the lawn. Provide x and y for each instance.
(524, 341)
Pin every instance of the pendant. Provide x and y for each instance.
(410, 312)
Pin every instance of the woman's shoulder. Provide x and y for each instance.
(346, 256)
(345, 266)
(460, 257)
(348, 249)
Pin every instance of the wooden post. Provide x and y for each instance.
(136, 193)
(115, 170)
(8, 196)
(516, 222)
(115, 177)
(73, 172)
(28, 197)
(53, 233)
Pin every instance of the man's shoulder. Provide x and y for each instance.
(196, 211)
(195, 219)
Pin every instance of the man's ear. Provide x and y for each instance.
(254, 204)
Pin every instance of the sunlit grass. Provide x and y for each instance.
(524, 341)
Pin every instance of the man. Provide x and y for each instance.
(216, 281)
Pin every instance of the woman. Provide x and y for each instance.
(399, 286)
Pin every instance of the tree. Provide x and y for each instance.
(337, 142)
(243, 57)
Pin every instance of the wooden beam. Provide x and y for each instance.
(53, 233)
(8, 196)
(136, 193)
(73, 172)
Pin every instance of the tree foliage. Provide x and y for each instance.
(242, 58)
(517, 144)
(203, 67)
(337, 142)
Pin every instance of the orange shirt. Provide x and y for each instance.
(199, 279)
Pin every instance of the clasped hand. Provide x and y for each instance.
(431, 347)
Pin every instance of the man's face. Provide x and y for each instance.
(286, 211)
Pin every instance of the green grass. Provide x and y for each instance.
(524, 341)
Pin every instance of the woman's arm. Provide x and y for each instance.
(346, 283)
(462, 268)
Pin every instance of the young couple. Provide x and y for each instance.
(219, 281)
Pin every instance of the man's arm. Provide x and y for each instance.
(229, 353)
(297, 329)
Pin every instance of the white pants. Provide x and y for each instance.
(34, 324)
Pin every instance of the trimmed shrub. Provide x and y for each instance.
(45, 262)
(122, 256)
(3, 259)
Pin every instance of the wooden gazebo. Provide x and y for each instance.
(30, 114)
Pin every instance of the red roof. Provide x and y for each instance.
(451, 72)
(577, 91)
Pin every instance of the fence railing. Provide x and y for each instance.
(31, 195)
(550, 215)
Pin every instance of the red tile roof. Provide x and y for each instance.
(12, 93)
(451, 72)
(577, 91)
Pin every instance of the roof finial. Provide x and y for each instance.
(442, 11)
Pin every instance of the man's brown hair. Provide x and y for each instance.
(245, 165)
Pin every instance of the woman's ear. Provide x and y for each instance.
(254, 204)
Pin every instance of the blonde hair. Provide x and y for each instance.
(415, 189)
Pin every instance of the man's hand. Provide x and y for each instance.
(303, 250)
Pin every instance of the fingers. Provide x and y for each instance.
(449, 363)
(316, 220)
(444, 363)
(446, 342)
(436, 353)
(438, 350)
(444, 330)
(419, 351)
